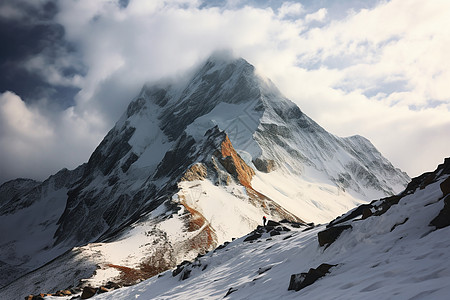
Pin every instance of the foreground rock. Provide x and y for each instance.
(328, 236)
(78, 293)
(302, 280)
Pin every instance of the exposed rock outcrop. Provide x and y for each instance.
(234, 164)
(329, 235)
(196, 172)
(252, 237)
(272, 228)
(443, 219)
(264, 165)
(302, 280)
(88, 292)
(445, 186)
(77, 292)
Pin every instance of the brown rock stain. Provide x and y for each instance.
(234, 164)
(157, 263)
(206, 238)
(128, 276)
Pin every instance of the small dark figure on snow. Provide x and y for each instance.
(264, 221)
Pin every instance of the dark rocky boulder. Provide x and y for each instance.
(222, 246)
(302, 280)
(356, 212)
(185, 274)
(388, 203)
(367, 212)
(282, 228)
(112, 285)
(294, 224)
(443, 218)
(264, 269)
(329, 235)
(272, 223)
(252, 237)
(186, 267)
(274, 232)
(180, 268)
(88, 292)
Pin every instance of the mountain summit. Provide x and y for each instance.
(186, 168)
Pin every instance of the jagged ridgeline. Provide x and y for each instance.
(186, 168)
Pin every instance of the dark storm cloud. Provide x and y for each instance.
(27, 30)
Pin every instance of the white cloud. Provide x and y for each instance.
(318, 16)
(395, 40)
(290, 9)
(21, 121)
(53, 71)
(35, 145)
(382, 72)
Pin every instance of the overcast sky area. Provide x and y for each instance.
(380, 69)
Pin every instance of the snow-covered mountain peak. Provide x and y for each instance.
(166, 130)
(190, 165)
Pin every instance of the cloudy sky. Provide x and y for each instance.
(68, 69)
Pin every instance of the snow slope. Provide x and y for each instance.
(396, 255)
